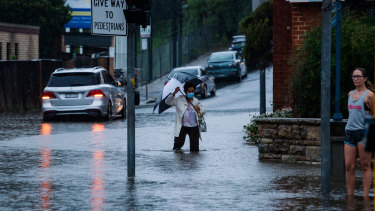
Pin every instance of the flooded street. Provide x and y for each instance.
(82, 165)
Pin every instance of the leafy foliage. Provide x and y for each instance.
(258, 30)
(221, 15)
(251, 129)
(357, 50)
(50, 15)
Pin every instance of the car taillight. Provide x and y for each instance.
(96, 93)
(48, 95)
(165, 83)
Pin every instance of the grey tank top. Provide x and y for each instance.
(357, 112)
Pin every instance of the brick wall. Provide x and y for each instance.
(290, 22)
(305, 16)
(282, 40)
(27, 38)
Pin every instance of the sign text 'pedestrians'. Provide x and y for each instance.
(108, 17)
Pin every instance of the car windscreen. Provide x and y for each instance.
(221, 57)
(238, 44)
(73, 79)
(193, 71)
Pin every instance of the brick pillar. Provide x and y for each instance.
(290, 22)
(282, 48)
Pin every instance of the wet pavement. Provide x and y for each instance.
(82, 165)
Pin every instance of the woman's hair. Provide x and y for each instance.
(368, 83)
(188, 85)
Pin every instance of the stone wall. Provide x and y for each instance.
(289, 140)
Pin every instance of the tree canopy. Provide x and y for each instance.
(222, 16)
(258, 30)
(49, 15)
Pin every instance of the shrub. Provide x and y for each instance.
(251, 129)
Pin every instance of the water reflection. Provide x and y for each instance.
(98, 186)
(98, 127)
(45, 185)
(45, 129)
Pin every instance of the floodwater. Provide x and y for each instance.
(82, 165)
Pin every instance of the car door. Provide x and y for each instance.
(115, 95)
(207, 79)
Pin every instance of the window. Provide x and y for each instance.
(16, 49)
(8, 51)
(73, 79)
(107, 78)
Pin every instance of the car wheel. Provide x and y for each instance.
(46, 118)
(123, 111)
(108, 116)
(204, 95)
(213, 91)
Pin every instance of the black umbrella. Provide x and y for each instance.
(177, 81)
(184, 77)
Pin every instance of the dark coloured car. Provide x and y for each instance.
(207, 86)
(237, 46)
(237, 38)
(226, 65)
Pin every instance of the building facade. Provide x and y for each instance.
(19, 42)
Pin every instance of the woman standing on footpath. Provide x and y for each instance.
(186, 117)
(360, 106)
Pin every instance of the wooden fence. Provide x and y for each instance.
(22, 83)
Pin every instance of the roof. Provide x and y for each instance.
(80, 70)
(302, 1)
(224, 52)
(187, 67)
(19, 28)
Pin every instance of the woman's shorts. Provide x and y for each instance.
(353, 137)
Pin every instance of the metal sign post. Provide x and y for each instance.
(130, 99)
(108, 19)
(325, 98)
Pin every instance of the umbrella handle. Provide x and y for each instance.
(199, 112)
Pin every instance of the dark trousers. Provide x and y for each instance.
(193, 133)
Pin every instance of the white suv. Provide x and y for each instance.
(83, 91)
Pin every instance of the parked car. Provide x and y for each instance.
(237, 38)
(83, 91)
(226, 64)
(207, 86)
(237, 46)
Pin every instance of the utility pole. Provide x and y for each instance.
(325, 98)
(130, 98)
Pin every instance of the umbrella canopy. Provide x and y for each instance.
(184, 77)
(169, 88)
(177, 80)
